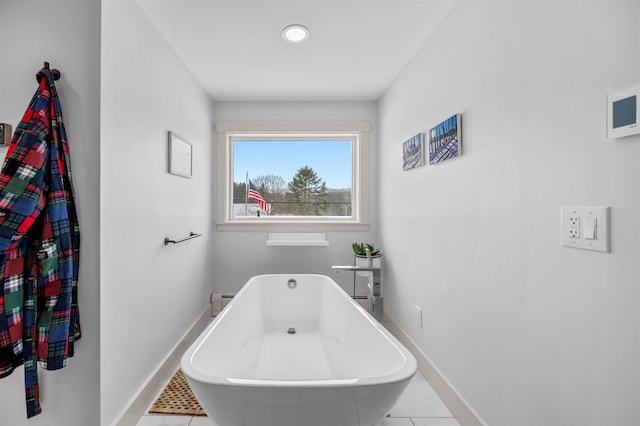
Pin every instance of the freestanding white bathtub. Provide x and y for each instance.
(296, 350)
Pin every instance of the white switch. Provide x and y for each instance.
(590, 228)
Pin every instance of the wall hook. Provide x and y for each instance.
(54, 72)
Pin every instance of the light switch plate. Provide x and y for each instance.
(585, 227)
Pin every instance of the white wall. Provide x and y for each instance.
(529, 332)
(151, 293)
(68, 36)
(241, 255)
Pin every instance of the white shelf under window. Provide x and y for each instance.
(297, 239)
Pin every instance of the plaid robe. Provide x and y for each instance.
(39, 245)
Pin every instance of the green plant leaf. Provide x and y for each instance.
(360, 249)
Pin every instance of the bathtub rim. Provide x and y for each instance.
(405, 373)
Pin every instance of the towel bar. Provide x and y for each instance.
(191, 236)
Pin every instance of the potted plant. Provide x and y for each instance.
(360, 254)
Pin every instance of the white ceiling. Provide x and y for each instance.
(355, 50)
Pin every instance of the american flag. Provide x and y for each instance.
(255, 195)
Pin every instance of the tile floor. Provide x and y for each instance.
(418, 406)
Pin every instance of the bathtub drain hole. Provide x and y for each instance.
(291, 330)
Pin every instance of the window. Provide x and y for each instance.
(292, 175)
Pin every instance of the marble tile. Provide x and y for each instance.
(200, 421)
(156, 420)
(435, 422)
(390, 421)
(420, 400)
(418, 377)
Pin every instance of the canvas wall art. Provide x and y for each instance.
(445, 140)
(413, 152)
(180, 156)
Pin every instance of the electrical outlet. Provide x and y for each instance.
(585, 227)
(574, 227)
(419, 317)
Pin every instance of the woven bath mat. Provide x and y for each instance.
(177, 398)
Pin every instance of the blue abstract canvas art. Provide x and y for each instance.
(413, 152)
(445, 140)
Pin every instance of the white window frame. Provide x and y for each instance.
(226, 131)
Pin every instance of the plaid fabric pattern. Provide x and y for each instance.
(39, 245)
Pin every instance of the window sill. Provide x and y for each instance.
(297, 239)
(291, 227)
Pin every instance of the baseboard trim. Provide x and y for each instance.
(459, 407)
(143, 398)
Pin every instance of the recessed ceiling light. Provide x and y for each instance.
(295, 33)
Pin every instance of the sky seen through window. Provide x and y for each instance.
(330, 159)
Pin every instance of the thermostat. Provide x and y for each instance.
(5, 134)
(623, 113)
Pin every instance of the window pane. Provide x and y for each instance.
(294, 177)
